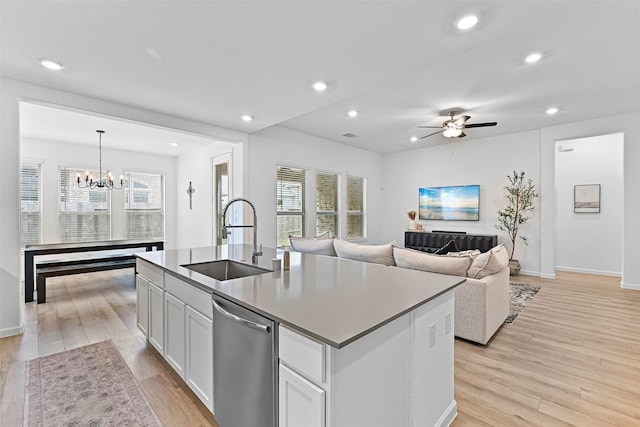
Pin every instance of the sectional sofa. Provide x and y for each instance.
(482, 303)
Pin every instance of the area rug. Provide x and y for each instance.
(521, 294)
(86, 386)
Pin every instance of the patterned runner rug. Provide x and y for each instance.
(521, 294)
(86, 386)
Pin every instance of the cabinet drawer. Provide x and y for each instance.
(150, 271)
(190, 295)
(301, 353)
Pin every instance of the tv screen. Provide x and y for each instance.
(454, 203)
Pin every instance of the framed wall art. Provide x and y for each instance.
(586, 198)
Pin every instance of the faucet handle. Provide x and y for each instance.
(258, 252)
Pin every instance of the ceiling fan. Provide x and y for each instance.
(453, 128)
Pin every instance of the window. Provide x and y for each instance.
(290, 192)
(143, 205)
(30, 203)
(327, 203)
(83, 213)
(355, 207)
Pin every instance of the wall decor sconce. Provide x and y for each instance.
(190, 192)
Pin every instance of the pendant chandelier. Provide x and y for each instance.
(107, 182)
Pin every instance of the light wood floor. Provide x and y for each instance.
(571, 358)
(84, 309)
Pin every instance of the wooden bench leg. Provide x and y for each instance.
(40, 287)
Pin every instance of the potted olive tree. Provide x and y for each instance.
(520, 194)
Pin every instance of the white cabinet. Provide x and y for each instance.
(199, 353)
(174, 328)
(156, 317)
(301, 403)
(142, 304)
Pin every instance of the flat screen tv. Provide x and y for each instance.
(454, 203)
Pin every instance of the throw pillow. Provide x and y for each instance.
(418, 260)
(489, 263)
(471, 252)
(379, 254)
(312, 246)
(449, 247)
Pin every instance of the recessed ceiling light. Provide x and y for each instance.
(51, 65)
(533, 57)
(353, 113)
(173, 144)
(319, 86)
(467, 22)
(246, 118)
(552, 110)
(413, 139)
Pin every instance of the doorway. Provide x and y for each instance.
(589, 188)
(222, 190)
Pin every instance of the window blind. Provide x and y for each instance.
(84, 214)
(290, 194)
(355, 207)
(144, 205)
(327, 203)
(30, 203)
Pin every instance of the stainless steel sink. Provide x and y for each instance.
(226, 269)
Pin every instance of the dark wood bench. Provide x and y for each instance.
(52, 268)
(94, 248)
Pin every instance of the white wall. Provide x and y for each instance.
(54, 154)
(11, 93)
(280, 146)
(195, 227)
(629, 125)
(590, 242)
(486, 162)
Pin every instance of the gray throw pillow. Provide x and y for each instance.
(312, 246)
(418, 260)
(379, 254)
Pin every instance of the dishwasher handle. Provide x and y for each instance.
(249, 323)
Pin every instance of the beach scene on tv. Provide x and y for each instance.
(455, 203)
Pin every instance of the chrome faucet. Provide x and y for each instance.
(255, 253)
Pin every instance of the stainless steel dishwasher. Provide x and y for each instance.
(244, 367)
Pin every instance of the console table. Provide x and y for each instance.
(431, 242)
(32, 251)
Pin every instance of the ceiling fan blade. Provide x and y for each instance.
(431, 134)
(430, 127)
(480, 125)
(461, 120)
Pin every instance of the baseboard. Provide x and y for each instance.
(449, 415)
(548, 276)
(9, 332)
(633, 286)
(530, 273)
(588, 271)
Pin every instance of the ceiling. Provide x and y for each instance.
(400, 64)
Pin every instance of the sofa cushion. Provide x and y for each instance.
(418, 260)
(489, 263)
(312, 246)
(449, 247)
(379, 254)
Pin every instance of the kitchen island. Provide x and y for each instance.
(357, 343)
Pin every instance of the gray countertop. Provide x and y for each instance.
(334, 300)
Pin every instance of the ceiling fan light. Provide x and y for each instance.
(452, 132)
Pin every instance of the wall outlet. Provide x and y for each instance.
(447, 323)
(432, 335)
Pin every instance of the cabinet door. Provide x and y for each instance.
(156, 317)
(142, 305)
(199, 343)
(301, 403)
(174, 331)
